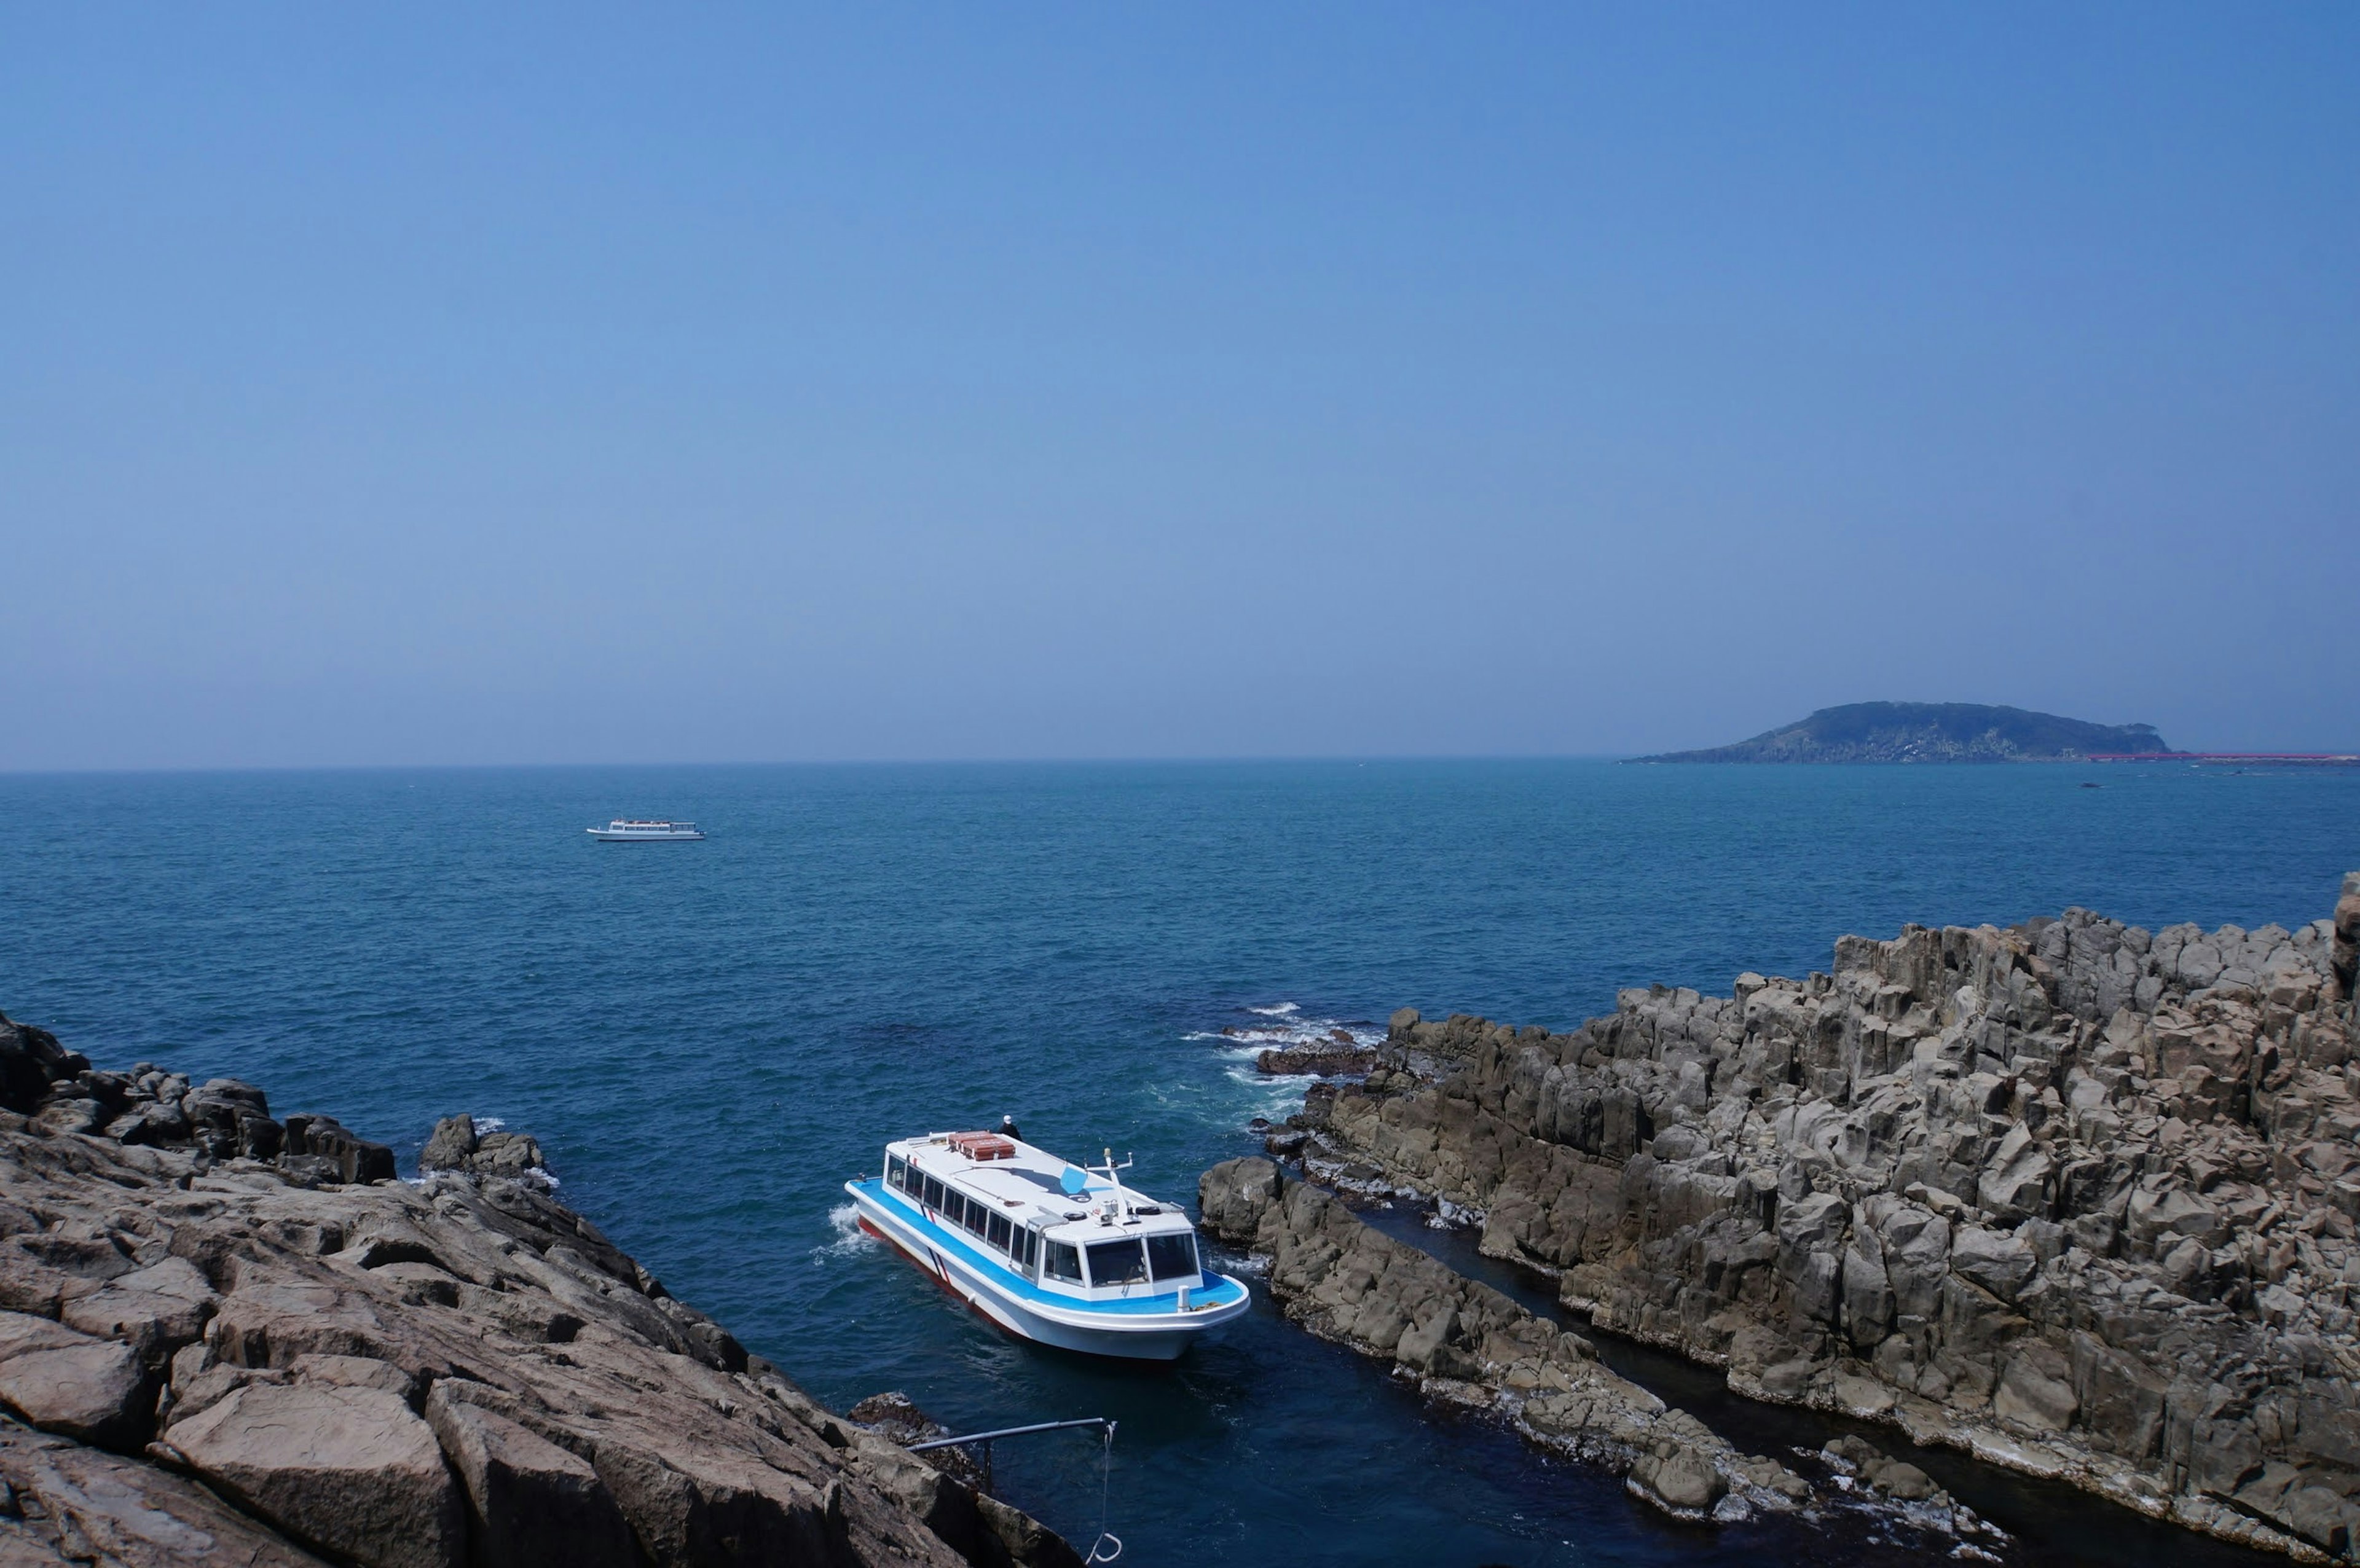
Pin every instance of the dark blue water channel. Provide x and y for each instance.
(709, 1037)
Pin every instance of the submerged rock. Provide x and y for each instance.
(2074, 1196)
(1328, 1061)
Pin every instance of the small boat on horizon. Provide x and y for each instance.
(645, 829)
(1061, 1254)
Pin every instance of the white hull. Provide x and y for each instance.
(1029, 1313)
(603, 836)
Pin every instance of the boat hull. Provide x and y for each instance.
(603, 836)
(1130, 1335)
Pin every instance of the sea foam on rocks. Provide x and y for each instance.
(2074, 1196)
(227, 1338)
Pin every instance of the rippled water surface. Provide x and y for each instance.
(710, 1038)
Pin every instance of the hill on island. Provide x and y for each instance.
(1928, 732)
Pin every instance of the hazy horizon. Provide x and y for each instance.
(568, 388)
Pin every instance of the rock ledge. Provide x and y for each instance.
(2076, 1197)
(227, 1338)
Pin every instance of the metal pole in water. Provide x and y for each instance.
(1109, 1545)
(1006, 1432)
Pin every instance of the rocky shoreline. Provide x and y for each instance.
(2073, 1197)
(1463, 1342)
(227, 1337)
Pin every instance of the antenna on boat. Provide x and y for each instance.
(1114, 1181)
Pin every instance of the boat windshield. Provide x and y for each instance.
(1172, 1257)
(1117, 1262)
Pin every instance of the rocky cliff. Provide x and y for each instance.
(231, 1338)
(2075, 1196)
(1928, 732)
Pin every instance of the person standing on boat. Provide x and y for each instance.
(1008, 1130)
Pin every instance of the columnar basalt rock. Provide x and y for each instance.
(1466, 1342)
(2073, 1195)
(227, 1339)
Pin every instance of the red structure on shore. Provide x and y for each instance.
(2329, 758)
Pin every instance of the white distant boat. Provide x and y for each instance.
(644, 829)
(1058, 1253)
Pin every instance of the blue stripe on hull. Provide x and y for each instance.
(1009, 1299)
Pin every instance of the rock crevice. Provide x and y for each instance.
(1463, 1342)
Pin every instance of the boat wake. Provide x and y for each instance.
(850, 1241)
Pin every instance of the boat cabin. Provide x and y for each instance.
(1067, 1230)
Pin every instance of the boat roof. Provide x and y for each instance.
(1026, 1184)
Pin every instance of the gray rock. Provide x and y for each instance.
(1678, 1480)
(531, 1503)
(72, 1504)
(2079, 1197)
(1234, 1196)
(352, 1470)
(1347, 1281)
(1998, 1263)
(452, 1145)
(305, 1324)
(65, 1381)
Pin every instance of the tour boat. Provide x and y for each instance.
(642, 829)
(1066, 1255)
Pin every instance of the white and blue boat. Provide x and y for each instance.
(1063, 1254)
(645, 829)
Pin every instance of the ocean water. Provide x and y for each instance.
(709, 1038)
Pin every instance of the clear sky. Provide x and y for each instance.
(417, 383)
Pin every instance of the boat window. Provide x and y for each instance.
(896, 1172)
(1063, 1263)
(1032, 1247)
(974, 1217)
(1172, 1257)
(933, 1194)
(955, 1207)
(998, 1235)
(1117, 1262)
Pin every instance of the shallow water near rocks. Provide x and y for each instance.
(710, 1038)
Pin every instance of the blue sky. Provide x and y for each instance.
(434, 385)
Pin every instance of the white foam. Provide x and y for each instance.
(1284, 1009)
(1271, 1098)
(850, 1239)
(491, 1124)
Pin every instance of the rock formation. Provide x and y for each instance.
(1319, 1060)
(2074, 1196)
(1466, 1342)
(227, 1338)
(1930, 732)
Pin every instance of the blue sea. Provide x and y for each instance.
(709, 1038)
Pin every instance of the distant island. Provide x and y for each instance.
(1930, 732)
